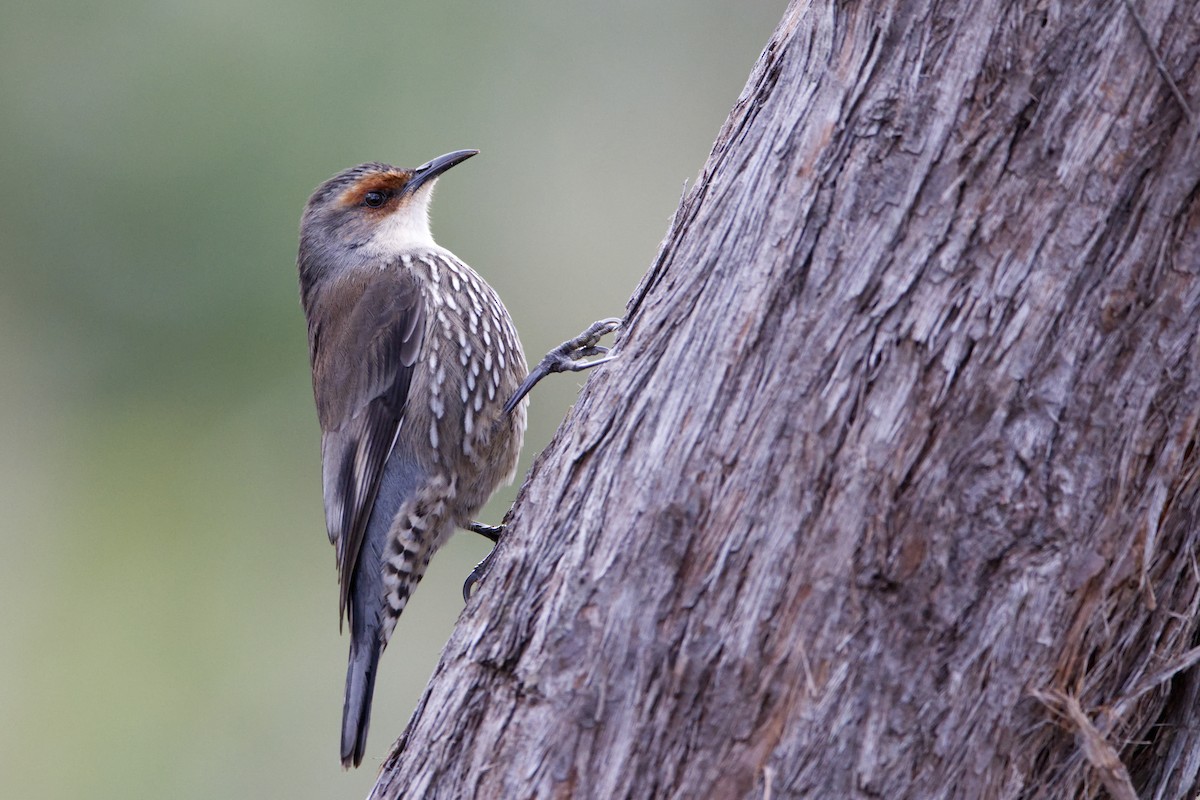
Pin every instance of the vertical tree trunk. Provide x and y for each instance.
(893, 490)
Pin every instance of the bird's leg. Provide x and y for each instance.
(570, 356)
(487, 531)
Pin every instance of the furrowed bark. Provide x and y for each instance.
(893, 489)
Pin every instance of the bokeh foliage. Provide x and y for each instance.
(167, 592)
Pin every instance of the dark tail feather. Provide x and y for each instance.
(360, 686)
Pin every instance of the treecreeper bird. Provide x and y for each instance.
(419, 380)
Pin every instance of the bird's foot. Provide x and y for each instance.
(491, 532)
(477, 574)
(570, 356)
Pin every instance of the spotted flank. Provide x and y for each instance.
(463, 376)
(418, 530)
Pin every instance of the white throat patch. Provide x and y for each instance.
(407, 228)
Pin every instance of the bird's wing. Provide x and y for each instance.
(363, 361)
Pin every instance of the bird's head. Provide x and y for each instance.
(368, 212)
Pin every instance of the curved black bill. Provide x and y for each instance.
(432, 169)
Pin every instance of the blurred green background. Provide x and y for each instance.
(168, 606)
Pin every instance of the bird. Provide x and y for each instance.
(414, 358)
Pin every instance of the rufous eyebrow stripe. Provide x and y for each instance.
(375, 182)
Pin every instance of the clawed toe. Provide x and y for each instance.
(570, 356)
(477, 575)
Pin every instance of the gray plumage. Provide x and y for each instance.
(413, 357)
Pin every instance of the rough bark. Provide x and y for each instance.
(894, 488)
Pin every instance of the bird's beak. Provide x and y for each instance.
(429, 171)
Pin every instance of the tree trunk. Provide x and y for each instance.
(893, 489)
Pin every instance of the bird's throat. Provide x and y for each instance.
(404, 230)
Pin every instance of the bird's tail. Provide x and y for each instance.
(360, 686)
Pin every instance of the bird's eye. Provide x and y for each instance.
(374, 199)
